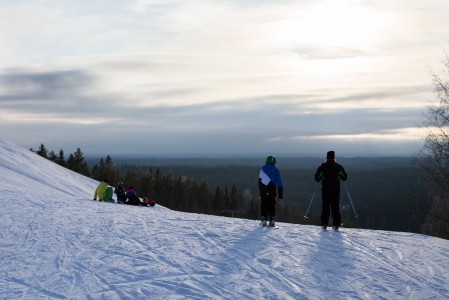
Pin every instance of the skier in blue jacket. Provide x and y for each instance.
(270, 187)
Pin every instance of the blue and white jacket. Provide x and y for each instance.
(270, 182)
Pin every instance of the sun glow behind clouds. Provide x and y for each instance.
(331, 44)
(333, 24)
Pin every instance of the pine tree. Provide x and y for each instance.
(42, 151)
(218, 201)
(98, 170)
(253, 210)
(227, 200)
(234, 198)
(77, 163)
(52, 156)
(146, 184)
(61, 159)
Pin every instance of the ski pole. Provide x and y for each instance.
(313, 195)
(347, 191)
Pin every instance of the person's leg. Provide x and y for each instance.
(325, 212)
(335, 208)
(263, 210)
(272, 210)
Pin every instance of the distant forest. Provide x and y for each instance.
(387, 192)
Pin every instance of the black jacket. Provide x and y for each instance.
(330, 173)
(132, 198)
(120, 192)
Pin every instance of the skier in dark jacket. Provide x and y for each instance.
(270, 187)
(330, 173)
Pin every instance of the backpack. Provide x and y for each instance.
(108, 194)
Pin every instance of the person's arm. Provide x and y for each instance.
(280, 186)
(280, 193)
(342, 174)
(319, 174)
(260, 184)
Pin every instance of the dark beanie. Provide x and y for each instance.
(330, 155)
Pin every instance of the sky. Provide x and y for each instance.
(63, 245)
(177, 77)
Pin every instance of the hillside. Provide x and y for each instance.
(56, 243)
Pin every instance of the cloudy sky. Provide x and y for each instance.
(183, 77)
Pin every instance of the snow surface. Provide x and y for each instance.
(56, 243)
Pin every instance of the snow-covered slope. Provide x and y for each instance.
(56, 243)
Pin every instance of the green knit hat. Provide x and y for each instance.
(271, 160)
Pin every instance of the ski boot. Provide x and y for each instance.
(335, 228)
(324, 227)
(263, 222)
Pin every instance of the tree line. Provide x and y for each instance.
(178, 192)
(385, 199)
(74, 162)
(386, 195)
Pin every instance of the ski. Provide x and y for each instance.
(271, 227)
(330, 230)
(334, 229)
(266, 226)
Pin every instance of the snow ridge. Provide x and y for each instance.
(56, 243)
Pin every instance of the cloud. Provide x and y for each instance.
(75, 95)
(42, 83)
(57, 92)
(217, 75)
(390, 135)
(315, 52)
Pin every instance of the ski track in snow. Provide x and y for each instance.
(56, 243)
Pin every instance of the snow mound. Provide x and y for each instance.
(56, 243)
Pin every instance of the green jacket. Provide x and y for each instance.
(101, 191)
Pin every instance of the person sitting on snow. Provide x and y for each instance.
(148, 201)
(132, 198)
(100, 192)
(120, 192)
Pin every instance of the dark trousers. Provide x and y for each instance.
(331, 203)
(268, 208)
